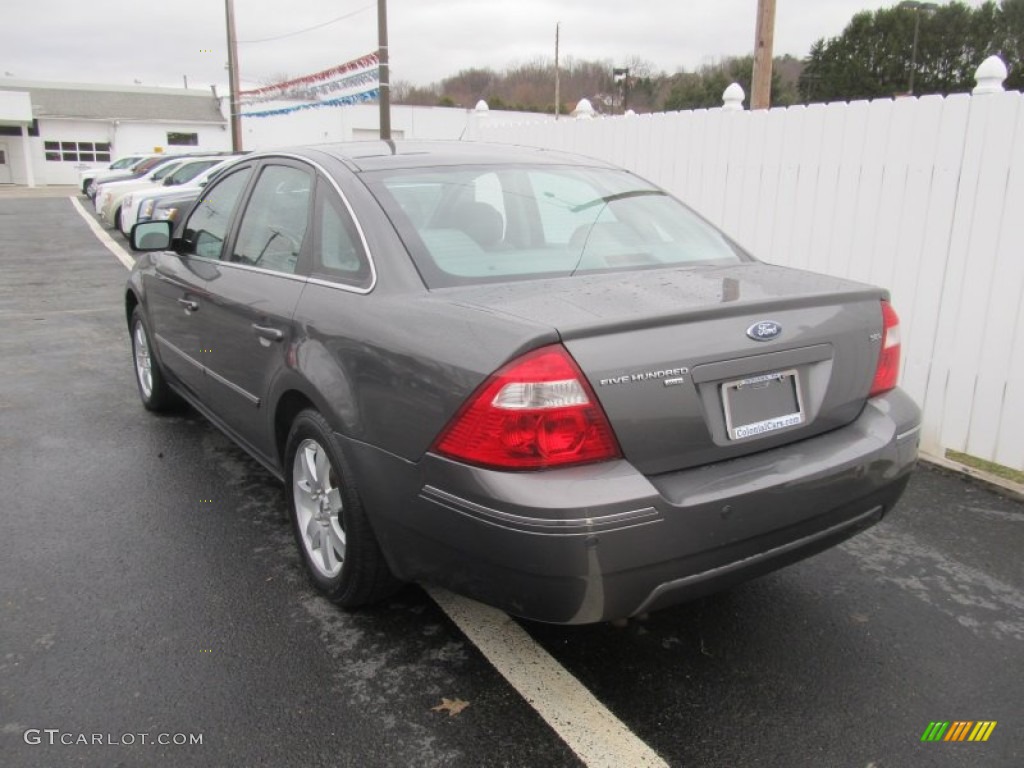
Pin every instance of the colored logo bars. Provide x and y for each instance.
(959, 730)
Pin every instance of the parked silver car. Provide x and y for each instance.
(535, 379)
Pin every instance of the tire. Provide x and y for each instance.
(334, 537)
(153, 390)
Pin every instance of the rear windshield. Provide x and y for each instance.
(475, 224)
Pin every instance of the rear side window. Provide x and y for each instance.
(207, 226)
(338, 250)
(275, 221)
(474, 224)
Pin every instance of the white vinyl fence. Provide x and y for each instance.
(924, 196)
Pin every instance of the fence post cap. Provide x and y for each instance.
(732, 98)
(990, 76)
(584, 110)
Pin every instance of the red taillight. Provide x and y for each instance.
(888, 369)
(536, 412)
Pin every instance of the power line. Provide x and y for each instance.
(310, 29)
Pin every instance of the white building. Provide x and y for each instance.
(50, 131)
(361, 122)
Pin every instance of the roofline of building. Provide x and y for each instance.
(161, 120)
(13, 84)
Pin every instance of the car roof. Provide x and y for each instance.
(386, 155)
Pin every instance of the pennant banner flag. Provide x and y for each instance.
(369, 77)
(301, 83)
(338, 101)
(357, 73)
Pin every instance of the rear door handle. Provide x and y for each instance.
(189, 305)
(266, 332)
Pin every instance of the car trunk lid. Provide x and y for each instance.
(684, 361)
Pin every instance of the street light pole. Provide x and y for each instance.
(383, 72)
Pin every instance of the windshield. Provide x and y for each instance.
(189, 171)
(164, 170)
(124, 162)
(466, 225)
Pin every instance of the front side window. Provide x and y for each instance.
(473, 224)
(207, 226)
(275, 221)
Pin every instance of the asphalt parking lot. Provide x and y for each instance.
(149, 586)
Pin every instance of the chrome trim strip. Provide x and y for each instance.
(187, 358)
(253, 400)
(249, 268)
(908, 433)
(351, 212)
(543, 525)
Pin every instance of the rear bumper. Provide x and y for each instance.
(601, 542)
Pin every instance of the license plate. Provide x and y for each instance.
(762, 404)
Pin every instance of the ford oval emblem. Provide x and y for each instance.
(765, 330)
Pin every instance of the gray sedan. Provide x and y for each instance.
(533, 378)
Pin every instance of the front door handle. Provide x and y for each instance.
(266, 332)
(189, 305)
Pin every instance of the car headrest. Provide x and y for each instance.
(480, 221)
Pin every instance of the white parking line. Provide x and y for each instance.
(597, 737)
(122, 255)
(588, 727)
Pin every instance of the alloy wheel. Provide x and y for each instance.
(318, 508)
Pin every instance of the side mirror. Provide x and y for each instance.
(168, 182)
(151, 236)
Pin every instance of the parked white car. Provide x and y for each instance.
(91, 178)
(108, 192)
(139, 205)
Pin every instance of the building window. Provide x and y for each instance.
(15, 130)
(77, 151)
(182, 139)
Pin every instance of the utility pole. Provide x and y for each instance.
(913, 53)
(383, 74)
(236, 120)
(558, 102)
(621, 75)
(916, 7)
(764, 41)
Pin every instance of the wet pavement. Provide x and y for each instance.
(149, 587)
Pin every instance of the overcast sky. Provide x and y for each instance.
(161, 43)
